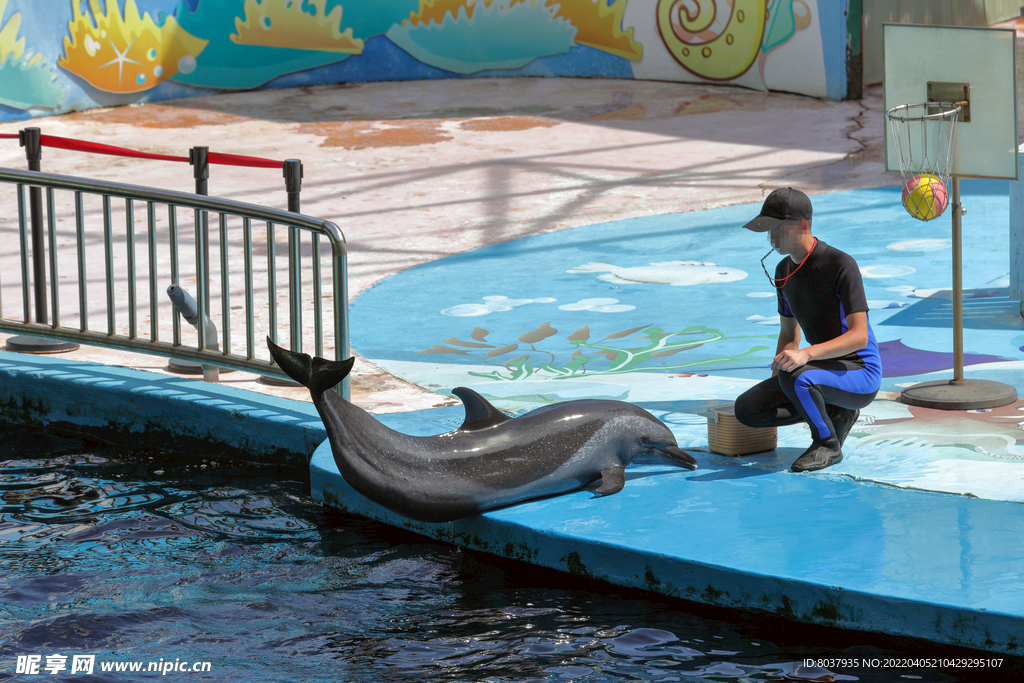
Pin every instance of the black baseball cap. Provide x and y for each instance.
(783, 204)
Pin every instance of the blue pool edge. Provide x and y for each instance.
(147, 408)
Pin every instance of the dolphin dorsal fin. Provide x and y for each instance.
(479, 413)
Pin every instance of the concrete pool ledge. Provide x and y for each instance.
(146, 408)
(817, 548)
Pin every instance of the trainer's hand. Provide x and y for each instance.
(791, 360)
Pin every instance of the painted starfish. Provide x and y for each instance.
(121, 59)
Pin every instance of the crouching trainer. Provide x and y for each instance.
(821, 296)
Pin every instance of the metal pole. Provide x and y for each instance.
(199, 158)
(31, 140)
(958, 292)
(293, 185)
(958, 393)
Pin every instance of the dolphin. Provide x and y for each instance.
(491, 461)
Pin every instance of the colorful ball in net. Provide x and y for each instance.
(925, 197)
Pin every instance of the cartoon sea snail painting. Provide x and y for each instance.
(491, 461)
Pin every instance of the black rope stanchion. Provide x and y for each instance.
(31, 140)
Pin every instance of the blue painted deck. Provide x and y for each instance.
(818, 548)
(915, 533)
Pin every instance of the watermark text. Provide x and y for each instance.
(42, 665)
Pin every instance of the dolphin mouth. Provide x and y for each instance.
(676, 453)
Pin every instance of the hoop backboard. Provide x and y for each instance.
(949, 57)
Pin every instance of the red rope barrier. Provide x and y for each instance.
(99, 148)
(238, 160)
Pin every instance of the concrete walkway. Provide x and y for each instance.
(416, 171)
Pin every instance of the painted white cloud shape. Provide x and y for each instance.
(492, 304)
(598, 306)
(921, 245)
(886, 271)
(765, 320)
(675, 273)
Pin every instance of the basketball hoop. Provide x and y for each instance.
(923, 136)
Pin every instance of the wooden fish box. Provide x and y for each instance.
(726, 436)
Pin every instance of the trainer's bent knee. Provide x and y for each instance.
(745, 410)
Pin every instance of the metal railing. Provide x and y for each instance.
(89, 210)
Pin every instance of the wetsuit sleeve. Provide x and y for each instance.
(850, 287)
(783, 305)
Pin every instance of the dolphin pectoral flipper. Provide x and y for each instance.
(612, 480)
(316, 374)
(479, 413)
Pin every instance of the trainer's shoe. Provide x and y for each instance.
(843, 423)
(818, 457)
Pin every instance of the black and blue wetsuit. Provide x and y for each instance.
(820, 295)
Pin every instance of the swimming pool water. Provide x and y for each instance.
(142, 555)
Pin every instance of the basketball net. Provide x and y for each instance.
(923, 135)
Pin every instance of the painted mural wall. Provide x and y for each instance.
(67, 55)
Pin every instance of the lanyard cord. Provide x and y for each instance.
(788, 275)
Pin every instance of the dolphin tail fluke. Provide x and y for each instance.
(316, 374)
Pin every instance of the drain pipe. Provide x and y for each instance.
(189, 310)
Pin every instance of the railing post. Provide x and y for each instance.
(293, 186)
(199, 158)
(32, 140)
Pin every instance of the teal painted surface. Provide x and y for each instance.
(495, 37)
(300, 46)
(818, 548)
(780, 25)
(143, 405)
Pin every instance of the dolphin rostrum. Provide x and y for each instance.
(491, 461)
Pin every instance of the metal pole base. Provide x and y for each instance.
(275, 381)
(968, 394)
(39, 345)
(187, 367)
